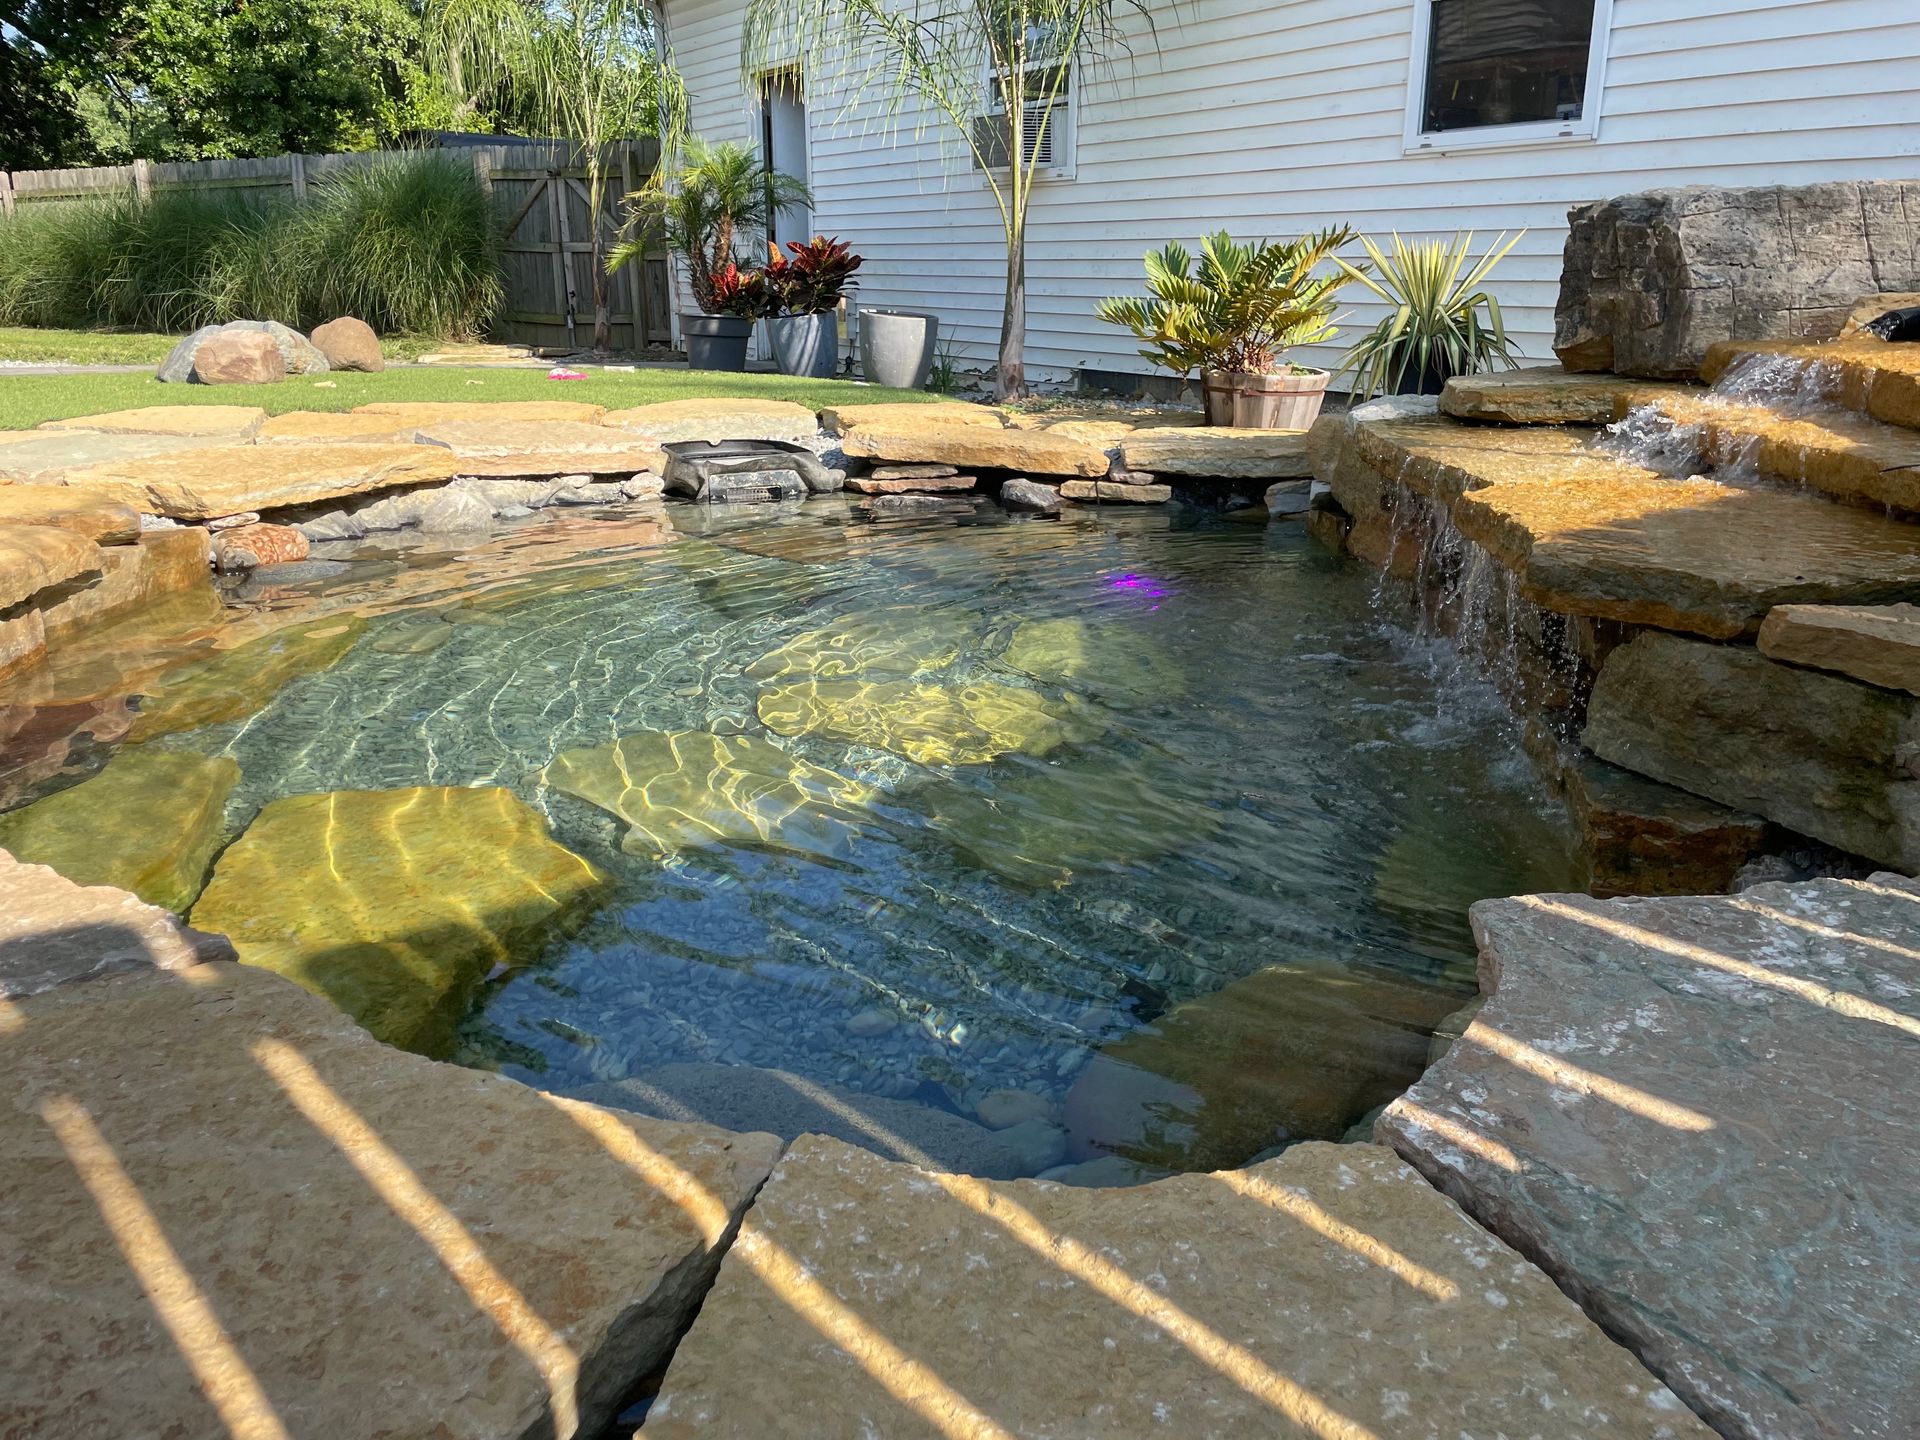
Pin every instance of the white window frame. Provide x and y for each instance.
(1065, 137)
(1585, 130)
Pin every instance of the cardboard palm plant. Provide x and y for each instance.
(1440, 323)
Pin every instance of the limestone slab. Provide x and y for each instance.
(879, 483)
(1693, 1113)
(717, 418)
(162, 565)
(1326, 1293)
(38, 560)
(54, 932)
(255, 1220)
(230, 480)
(1545, 395)
(216, 422)
(967, 446)
(48, 457)
(102, 521)
(542, 447)
(1116, 492)
(1819, 754)
(232, 684)
(415, 413)
(1223, 453)
(1640, 837)
(1871, 376)
(301, 427)
(395, 904)
(897, 415)
(1879, 644)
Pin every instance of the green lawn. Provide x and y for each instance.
(27, 400)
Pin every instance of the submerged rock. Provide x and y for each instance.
(1100, 657)
(236, 683)
(149, 822)
(931, 724)
(887, 642)
(395, 904)
(692, 788)
(1290, 1053)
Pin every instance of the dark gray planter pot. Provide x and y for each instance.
(896, 347)
(716, 342)
(806, 344)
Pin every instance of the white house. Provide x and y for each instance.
(1271, 117)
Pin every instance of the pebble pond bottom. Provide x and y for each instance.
(1165, 822)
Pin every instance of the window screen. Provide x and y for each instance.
(1506, 62)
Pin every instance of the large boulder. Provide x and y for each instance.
(1651, 280)
(297, 354)
(349, 344)
(238, 359)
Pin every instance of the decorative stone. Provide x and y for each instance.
(1818, 754)
(1290, 1053)
(349, 344)
(38, 559)
(1114, 491)
(903, 505)
(414, 414)
(150, 822)
(1328, 1293)
(204, 484)
(1640, 837)
(929, 638)
(930, 724)
(49, 457)
(55, 932)
(692, 788)
(1223, 453)
(716, 418)
(746, 1097)
(397, 1247)
(1652, 280)
(966, 446)
(85, 514)
(1024, 495)
(911, 472)
(233, 684)
(1879, 644)
(1687, 1110)
(206, 422)
(1287, 499)
(248, 547)
(306, 427)
(234, 522)
(244, 358)
(1545, 395)
(844, 419)
(395, 904)
(542, 447)
(1106, 658)
(878, 483)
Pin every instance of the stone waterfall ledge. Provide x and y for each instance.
(1860, 373)
(229, 1207)
(1328, 1293)
(1695, 1115)
(1546, 395)
(1879, 644)
(1586, 534)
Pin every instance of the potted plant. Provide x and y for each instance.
(716, 196)
(807, 289)
(738, 297)
(1234, 316)
(1440, 323)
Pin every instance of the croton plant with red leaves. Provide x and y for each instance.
(811, 279)
(745, 293)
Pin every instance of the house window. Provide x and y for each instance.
(1046, 125)
(1505, 71)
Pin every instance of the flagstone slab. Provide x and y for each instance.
(542, 447)
(931, 724)
(38, 559)
(215, 422)
(415, 413)
(54, 931)
(150, 822)
(966, 446)
(927, 638)
(303, 427)
(904, 414)
(1873, 376)
(231, 1212)
(1103, 658)
(103, 521)
(48, 457)
(1328, 1293)
(209, 483)
(395, 904)
(1694, 1114)
(1548, 395)
(717, 418)
(1879, 644)
(1221, 453)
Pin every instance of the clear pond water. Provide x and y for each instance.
(1218, 752)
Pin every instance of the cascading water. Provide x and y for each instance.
(1653, 437)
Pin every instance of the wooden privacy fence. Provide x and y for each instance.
(539, 191)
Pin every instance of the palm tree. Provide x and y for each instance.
(592, 72)
(995, 71)
(717, 194)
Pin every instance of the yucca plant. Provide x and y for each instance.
(1442, 323)
(1241, 309)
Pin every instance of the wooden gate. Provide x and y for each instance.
(541, 193)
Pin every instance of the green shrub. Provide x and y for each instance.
(409, 244)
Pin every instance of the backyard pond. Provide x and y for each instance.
(1142, 839)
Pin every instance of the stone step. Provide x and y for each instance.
(1689, 1112)
(1849, 456)
(1879, 644)
(1027, 452)
(1871, 376)
(1587, 534)
(1547, 395)
(1327, 1293)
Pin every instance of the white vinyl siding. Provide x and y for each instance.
(1270, 119)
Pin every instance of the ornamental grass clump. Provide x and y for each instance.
(1440, 322)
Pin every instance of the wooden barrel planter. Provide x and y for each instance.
(1288, 401)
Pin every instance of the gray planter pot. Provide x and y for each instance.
(716, 342)
(896, 347)
(806, 344)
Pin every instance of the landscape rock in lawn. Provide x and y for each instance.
(207, 422)
(248, 547)
(1116, 492)
(1292, 1052)
(1692, 1113)
(930, 638)
(398, 1247)
(1218, 453)
(102, 521)
(225, 480)
(1327, 1293)
(150, 822)
(417, 413)
(1879, 644)
(242, 358)
(349, 344)
(748, 1098)
(717, 418)
(233, 684)
(967, 446)
(395, 904)
(542, 447)
(691, 788)
(930, 724)
(56, 932)
(1026, 496)
(1819, 754)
